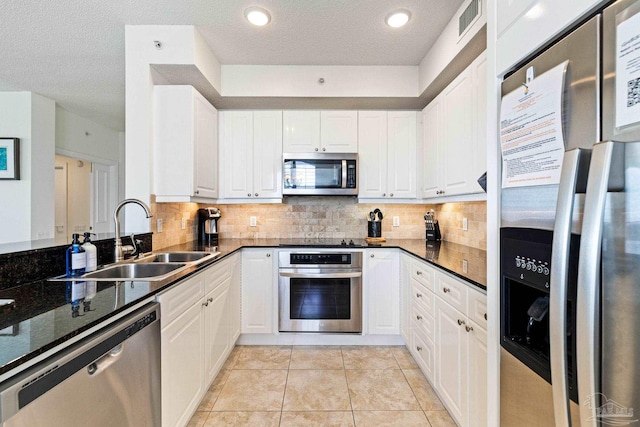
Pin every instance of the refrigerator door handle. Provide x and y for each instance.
(588, 297)
(559, 278)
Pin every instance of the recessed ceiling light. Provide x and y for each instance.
(257, 16)
(398, 18)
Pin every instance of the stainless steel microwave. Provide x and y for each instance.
(320, 174)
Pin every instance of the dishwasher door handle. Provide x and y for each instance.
(106, 360)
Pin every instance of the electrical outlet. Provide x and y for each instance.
(396, 221)
(183, 223)
(253, 221)
(465, 224)
(159, 225)
(465, 265)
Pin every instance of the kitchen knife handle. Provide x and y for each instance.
(558, 292)
(588, 313)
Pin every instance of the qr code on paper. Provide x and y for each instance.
(633, 92)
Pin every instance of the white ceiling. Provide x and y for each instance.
(72, 51)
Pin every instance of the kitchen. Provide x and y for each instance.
(329, 217)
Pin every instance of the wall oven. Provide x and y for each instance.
(318, 174)
(320, 291)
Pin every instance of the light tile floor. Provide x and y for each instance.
(320, 386)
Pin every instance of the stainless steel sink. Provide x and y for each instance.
(187, 257)
(143, 271)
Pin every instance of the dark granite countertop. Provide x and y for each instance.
(43, 314)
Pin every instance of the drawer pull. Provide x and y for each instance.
(419, 273)
(418, 348)
(372, 256)
(469, 328)
(210, 299)
(268, 255)
(205, 304)
(446, 290)
(418, 295)
(485, 316)
(418, 317)
(461, 322)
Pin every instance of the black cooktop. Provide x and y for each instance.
(325, 243)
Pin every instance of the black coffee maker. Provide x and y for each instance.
(208, 226)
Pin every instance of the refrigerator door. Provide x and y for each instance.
(535, 207)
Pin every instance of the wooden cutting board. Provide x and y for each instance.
(375, 239)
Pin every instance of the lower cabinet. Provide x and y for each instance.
(257, 291)
(381, 288)
(196, 336)
(448, 340)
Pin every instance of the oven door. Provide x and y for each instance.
(316, 301)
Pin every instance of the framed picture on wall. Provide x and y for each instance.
(9, 158)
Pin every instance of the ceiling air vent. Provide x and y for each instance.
(468, 17)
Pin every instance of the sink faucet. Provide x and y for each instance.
(120, 250)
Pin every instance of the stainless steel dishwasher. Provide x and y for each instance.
(110, 379)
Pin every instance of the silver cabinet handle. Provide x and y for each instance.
(384, 194)
(391, 194)
(209, 299)
(418, 348)
(587, 312)
(248, 194)
(205, 304)
(418, 295)
(418, 272)
(316, 149)
(324, 149)
(461, 322)
(197, 192)
(418, 317)
(372, 255)
(559, 276)
(469, 328)
(485, 316)
(256, 194)
(268, 255)
(446, 290)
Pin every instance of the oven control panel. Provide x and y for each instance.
(324, 259)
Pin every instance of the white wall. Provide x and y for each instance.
(26, 210)
(85, 139)
(447, 46)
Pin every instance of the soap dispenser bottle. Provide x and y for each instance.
(76, 258)
(91, 253)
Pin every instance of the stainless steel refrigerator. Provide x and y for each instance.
(570, 252)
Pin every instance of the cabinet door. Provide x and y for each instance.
(405, 298)
(339, 131)
(237, 155)
(235, 306)
(182, 352)
(477, 375)
(479, 160)
(267, 154)
(257, 291)
(301, 133)
(381, 287)
(372, 154)
(431, 152)
(217, 329)
(451, 359)
(205, 148)
(401, 151)
(458, 135)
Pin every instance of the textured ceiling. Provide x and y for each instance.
(72, 51)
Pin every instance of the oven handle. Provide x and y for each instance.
(321, 275)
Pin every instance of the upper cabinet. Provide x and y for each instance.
(387, 154)
(251, 154)
(454, 135)
(332, 131)
(185, 145)
(523, 26)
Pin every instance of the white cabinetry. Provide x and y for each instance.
(251, 154)
(387, 154)
(331, 131)
(454, 135)
(258, 307)
(523, 26)
(185, 145)
(448, 340)
(197, 335)
(381, 286)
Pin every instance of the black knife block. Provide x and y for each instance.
(433, 235)
(374, 228)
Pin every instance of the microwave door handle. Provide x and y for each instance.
(344, 174)
(558, 290)
(588, 313)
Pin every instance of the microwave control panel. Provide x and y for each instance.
(351, 174)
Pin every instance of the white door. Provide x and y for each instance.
(257, 291)
(432, 141)
(205, 149)
(267, 154)
(339, 131)
(216, 329)
(301, 131)
(237, 154)
(104, 184)
(401, 150)
(382, 289)
(372, 154)
(477, 375)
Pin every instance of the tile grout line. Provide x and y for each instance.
(344, 370)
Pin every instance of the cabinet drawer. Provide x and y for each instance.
(423, 274)
(420, 295)
(423, 352)
(216, 275)
(477, 308)
(452, 290)
(423, 320)
(179, 298)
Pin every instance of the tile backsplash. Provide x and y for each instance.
(321, 217)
